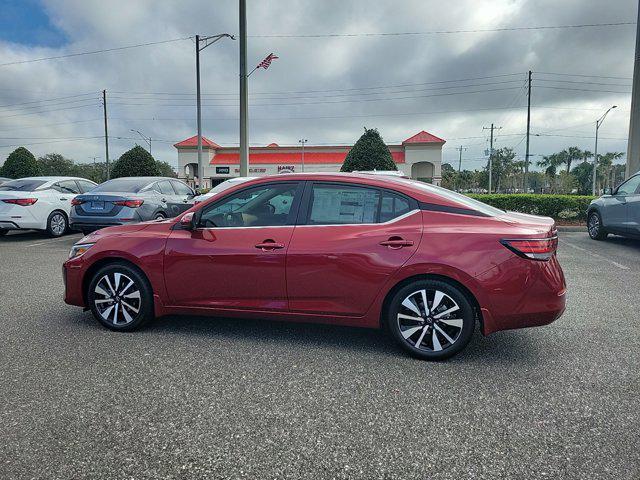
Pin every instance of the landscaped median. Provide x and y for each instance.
(564, 209)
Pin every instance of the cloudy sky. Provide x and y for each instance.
(323, 88)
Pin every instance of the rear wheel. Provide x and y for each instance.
(431, 319)
(120, 297)
(160, 216)
(57, 224)
(595, 228)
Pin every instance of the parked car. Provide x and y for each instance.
(617, 211)
(221, 187)
(40, 203)
(361, 250)
(130, 200)
(4, 180)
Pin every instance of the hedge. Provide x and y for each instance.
(558, 207)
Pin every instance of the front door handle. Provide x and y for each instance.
(268, 245)
(396, 242)
(64, 199)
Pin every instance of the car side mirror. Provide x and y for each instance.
(187, 221)
(608, 191)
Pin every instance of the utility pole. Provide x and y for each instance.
(303, 141)
(526, 155)
(492, 128)
(595, 153)
(244, 96)
(633, 144)
(205, 41)
(106, 131)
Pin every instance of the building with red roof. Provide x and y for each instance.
(419, 156)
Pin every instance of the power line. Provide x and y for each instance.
(582, 75)
(48, 100)
(442, 32)
(93, 52)
(582, 89)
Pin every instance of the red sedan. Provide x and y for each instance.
(350, 249)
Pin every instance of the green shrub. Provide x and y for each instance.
(136, 162)
(558, 207)
(369, 153)
(20, 164)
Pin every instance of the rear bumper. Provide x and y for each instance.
(522, 293)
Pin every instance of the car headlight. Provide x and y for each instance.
(79, 249)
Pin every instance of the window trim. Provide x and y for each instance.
(305, 209)
(57, 185)
(291, 217)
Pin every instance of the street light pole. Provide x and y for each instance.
(205, 41)
(595, 152)
(302, 141)
(145, 138)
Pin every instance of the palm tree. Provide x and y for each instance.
(572, 154)
(551, 164)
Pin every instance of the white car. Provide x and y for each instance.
(39, 203)
(221, 187)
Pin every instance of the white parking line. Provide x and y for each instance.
(619, 265)
(50, 241)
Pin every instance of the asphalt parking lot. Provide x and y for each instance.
(205, 398)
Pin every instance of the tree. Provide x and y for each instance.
(136, 162)
(165, 169)
(551, 164)
(573, 154)
(369, 153)
(501, 166)
(56, 164)
(583, 175)
(19, 164)
(449, 176)
(96, 172)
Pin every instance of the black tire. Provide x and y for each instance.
(159, 216)
(57, 224)
(122, 317)
(594, 226)
(3, 232)
(432, 343)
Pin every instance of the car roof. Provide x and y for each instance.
(52, 179)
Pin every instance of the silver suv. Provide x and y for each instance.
(617, 211)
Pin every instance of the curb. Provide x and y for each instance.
(572, 228)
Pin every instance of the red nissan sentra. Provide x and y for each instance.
(371, 251)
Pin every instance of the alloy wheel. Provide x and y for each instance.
(594, 225)
(58, 224)
(430, 320)
(117, 298)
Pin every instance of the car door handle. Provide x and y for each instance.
(267, 245)
(397, 243)
(64, 199)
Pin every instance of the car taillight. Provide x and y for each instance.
(23, 202)
(129, 203)
(75, 202)
(533, 248)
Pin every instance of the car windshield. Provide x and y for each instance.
(459, 198)
(24, 185)
(128, 185)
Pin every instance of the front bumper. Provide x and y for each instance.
(72, 274)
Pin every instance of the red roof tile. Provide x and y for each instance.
(273, 145)
(290, 158)
(424, 137)
(193, 142)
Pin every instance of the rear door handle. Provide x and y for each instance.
(64, 199)
(269, 245)
(397, 243)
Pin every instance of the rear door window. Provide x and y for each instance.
(181, 188)
(343, 204)
(165, 188)
(85, 186)
(393, 205)
(67, 186)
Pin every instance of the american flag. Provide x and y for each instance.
(267, 61)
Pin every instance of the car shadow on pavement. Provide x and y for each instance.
(631, 243)
(513, 346)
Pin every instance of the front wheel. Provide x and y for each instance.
(431, 319)
(595, 228)
(120, 297)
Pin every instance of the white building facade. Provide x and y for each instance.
(418, 157)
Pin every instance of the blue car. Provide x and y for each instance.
(617, 211)
(129, 200)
